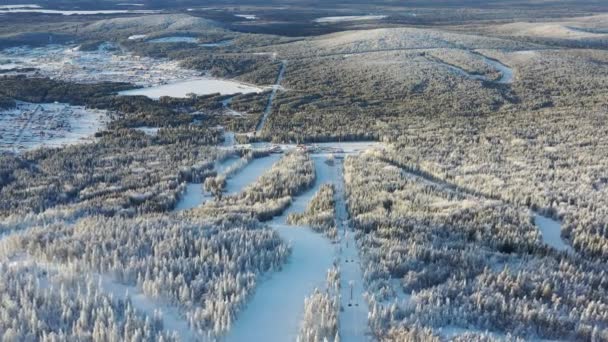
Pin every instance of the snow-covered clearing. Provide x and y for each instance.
(175, 39)
(32, 125)
(195, 195)
(551, 232)
(338, 19)
(137, 36)
(203, 86)
(250, 173)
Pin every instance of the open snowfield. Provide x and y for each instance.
(175, 39)
(203, 86)
(551, 232)
(32, 125)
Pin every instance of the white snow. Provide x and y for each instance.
(175, 39)
(49, 11)
(32, 125)
(193, 197)
(551, 232)
(11, 7)
(338, 19)
(107, 63)
(247, 16)
(506, 73)
(203, 86)
(137, 36)
(250, 173)
(276, 309)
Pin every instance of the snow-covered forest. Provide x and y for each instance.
(438, 259)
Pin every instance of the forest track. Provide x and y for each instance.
(271, 97)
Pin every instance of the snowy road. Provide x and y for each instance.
(273, 94)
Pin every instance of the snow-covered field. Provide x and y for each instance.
(203, 86)
(551, 232)
(106, 64)
(175, 39)
(32, 125)
(338, 19)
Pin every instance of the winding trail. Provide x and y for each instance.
(275, 312)
(273, 94)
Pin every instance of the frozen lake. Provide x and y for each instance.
(202, 86)
(551, 232)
